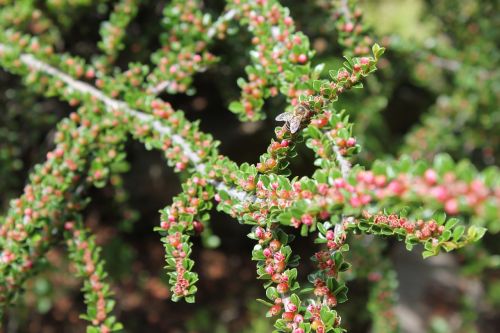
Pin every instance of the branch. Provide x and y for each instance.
(113, 104)
(344, 164)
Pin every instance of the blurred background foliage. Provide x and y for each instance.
(437, 90)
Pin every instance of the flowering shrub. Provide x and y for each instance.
(422, 198)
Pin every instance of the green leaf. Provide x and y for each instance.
(377, 50)
(117, 327)
(236, 107)
(272, 293)
(427, 254)
(458, 232)
(317, 85)
(450, 224)
(475, 233)
(260, 300)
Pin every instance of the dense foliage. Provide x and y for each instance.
(435, 187)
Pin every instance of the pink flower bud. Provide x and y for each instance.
(451, 206)
(396, 187)
(290, 307)
(322, 189)
(348, 27)
(339, 182)
(324, 215)
(440, 193)
(282, 287)
(368, 177)
(355, 201)
(351, 142)
(380, 180)
(180, 166)
(278, 256)
(259, 232)
(364, 61)
(307, 219)
(430, 176)
(269, 270)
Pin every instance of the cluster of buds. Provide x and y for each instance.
(453, 194)
(113, 32)
(26, 237)
(278, 48)
(85, 254)
(184, 48)
(321, 290)
(184, 218)
(353, 34)
(274, 263)
(423, 230)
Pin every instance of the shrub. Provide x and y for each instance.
(421, 196)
